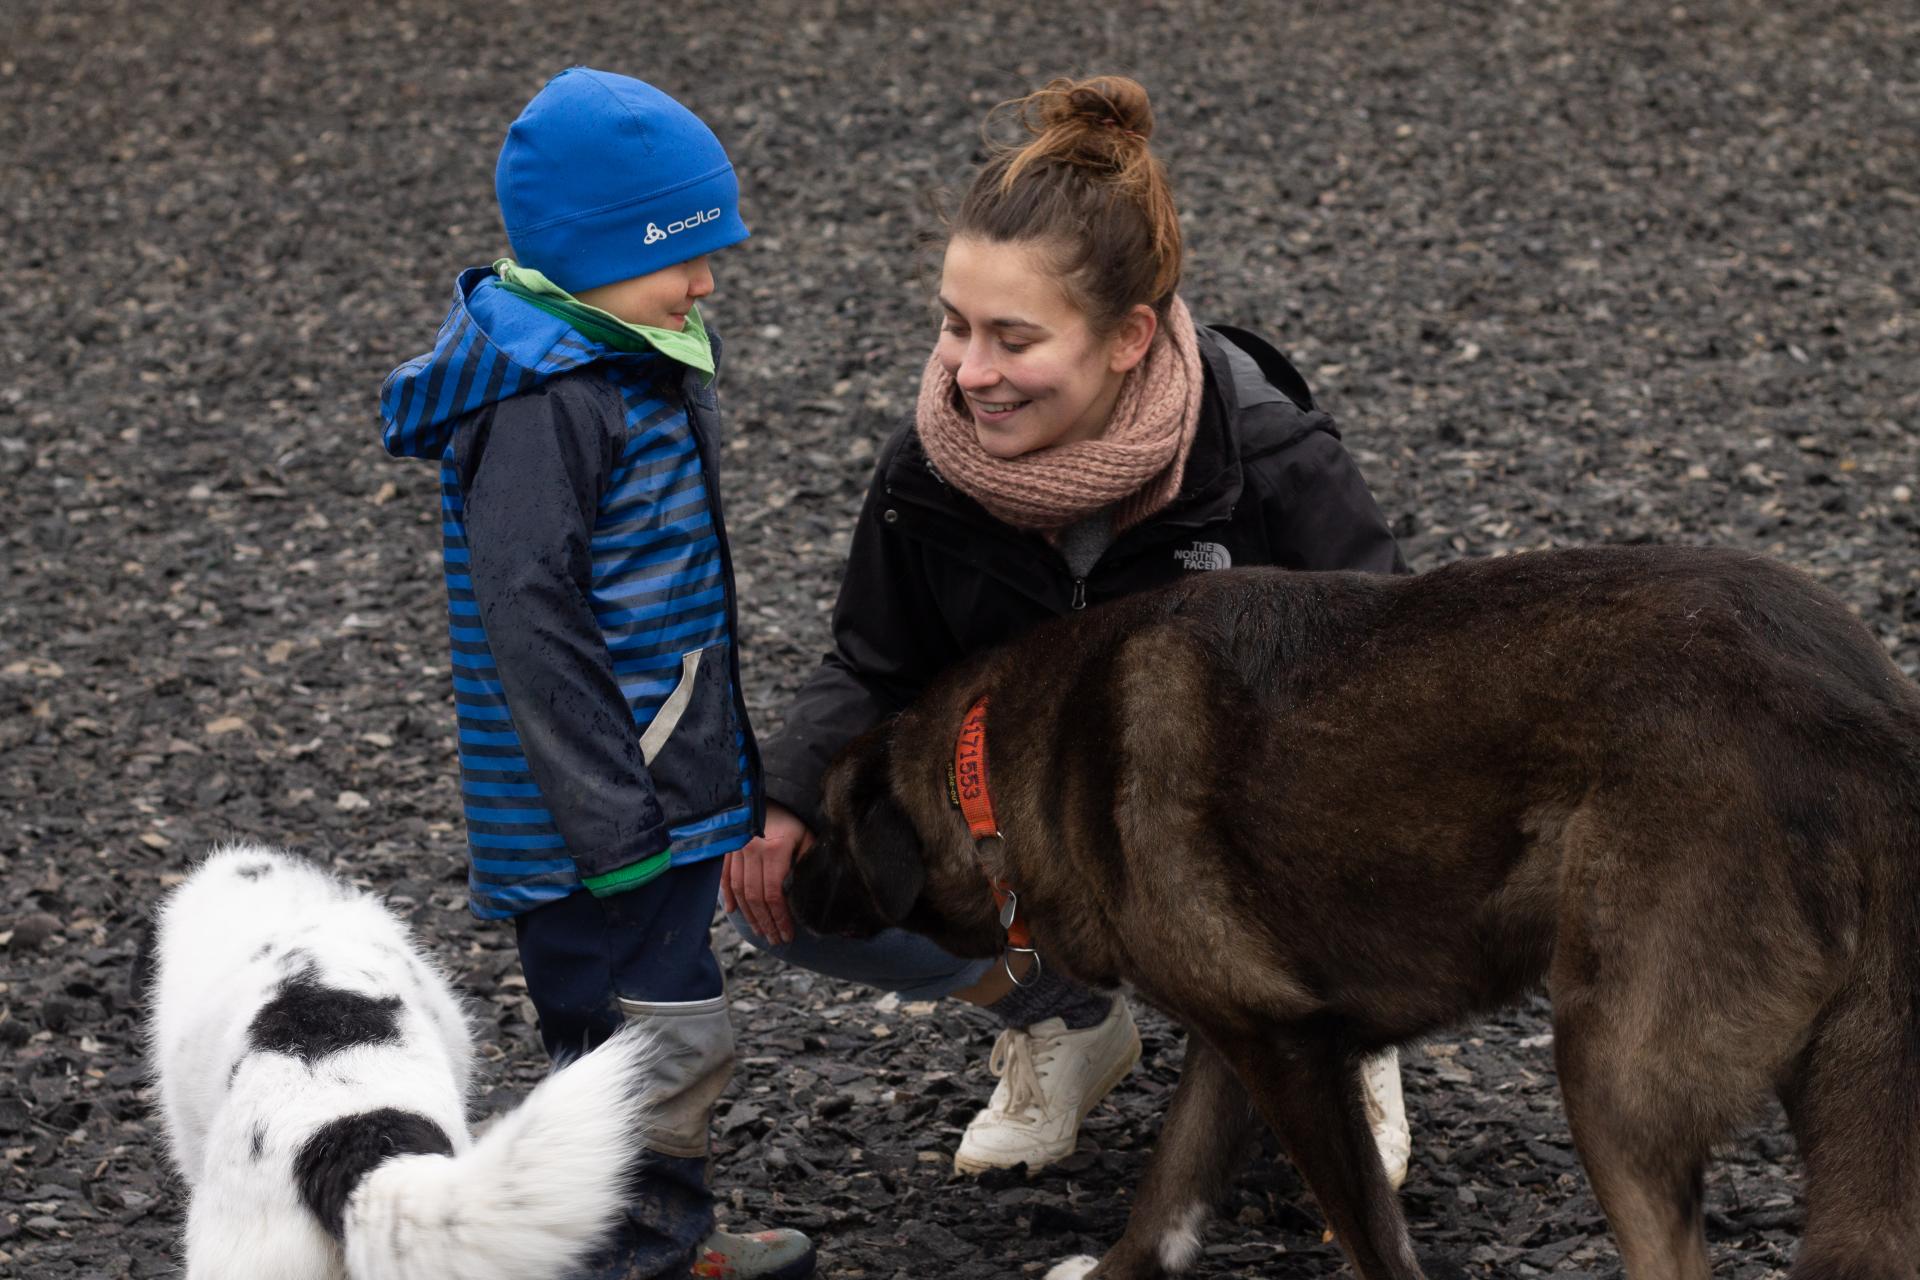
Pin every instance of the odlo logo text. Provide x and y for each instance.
(1204, 555)
(655, 235)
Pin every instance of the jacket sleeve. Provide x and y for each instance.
(532, 477)
(889, 642)
(1319, 512)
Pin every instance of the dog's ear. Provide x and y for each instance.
(886, 850)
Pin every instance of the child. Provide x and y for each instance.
(605, 757)
(1078, 438)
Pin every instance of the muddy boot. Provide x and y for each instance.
(763, 1255)
(693, 1061)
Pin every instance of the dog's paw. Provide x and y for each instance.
(1072, 1268)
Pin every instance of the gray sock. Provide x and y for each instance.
(1051, 996)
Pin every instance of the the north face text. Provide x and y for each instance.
(1204, 555)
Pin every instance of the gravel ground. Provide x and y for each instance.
(1568, 273)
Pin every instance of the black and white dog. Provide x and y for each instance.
(313, 1068)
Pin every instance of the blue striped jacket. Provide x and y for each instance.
(590, 602)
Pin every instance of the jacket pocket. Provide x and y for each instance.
(691, 747)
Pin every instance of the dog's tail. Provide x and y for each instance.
(540, 1189)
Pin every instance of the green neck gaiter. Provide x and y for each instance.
(690, 346)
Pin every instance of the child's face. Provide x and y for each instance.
(1032, 370)
(659, 299)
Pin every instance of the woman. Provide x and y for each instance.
(1077, 438)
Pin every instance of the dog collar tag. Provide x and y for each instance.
(970, 773)
(1009, 908)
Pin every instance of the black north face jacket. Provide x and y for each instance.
(931, 577)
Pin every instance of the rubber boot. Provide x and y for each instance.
(694, 1062)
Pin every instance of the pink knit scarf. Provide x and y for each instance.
(1135, 463)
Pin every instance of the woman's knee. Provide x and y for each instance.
(751, 936)
(904, 963)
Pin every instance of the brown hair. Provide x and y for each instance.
(1082, 181)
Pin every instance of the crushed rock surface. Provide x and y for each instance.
(1567, 273)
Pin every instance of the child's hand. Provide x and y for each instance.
(753, 876)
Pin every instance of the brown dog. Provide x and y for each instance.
(1313, 815)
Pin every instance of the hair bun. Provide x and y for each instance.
(1112, 103)
(1070, 165)
(1100, 123)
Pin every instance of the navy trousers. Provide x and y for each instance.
(581, 956)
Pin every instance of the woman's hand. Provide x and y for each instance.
(753, 876)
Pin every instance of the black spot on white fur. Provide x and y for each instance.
(340, 1153)
(280, 1124)
(310, 1020)
(253, 870)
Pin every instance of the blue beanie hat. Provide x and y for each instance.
(604, 178)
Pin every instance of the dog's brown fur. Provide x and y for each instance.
(1313, 815)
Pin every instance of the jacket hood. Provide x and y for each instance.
(492, 345)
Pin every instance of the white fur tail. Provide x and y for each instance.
(539, 1190)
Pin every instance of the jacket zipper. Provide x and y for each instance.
(1135, 547)
(708, 446)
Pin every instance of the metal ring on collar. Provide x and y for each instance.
(1033, 974)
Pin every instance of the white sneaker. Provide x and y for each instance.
(1387, 1114)
(1050, 1078)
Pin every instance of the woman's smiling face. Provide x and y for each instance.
(1033, 372)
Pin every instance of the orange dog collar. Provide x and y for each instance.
(970, 791)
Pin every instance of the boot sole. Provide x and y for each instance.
(798, 1269)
